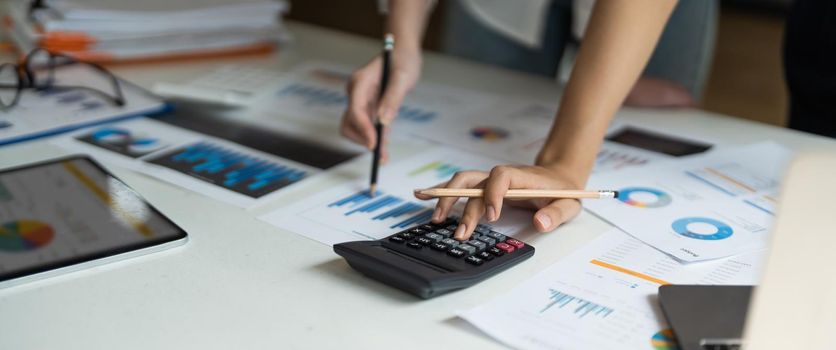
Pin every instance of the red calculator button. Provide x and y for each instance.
(517, 244)
(505, 247)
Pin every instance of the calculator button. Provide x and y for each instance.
(485, 256)
(517, 244)
(444, 232)
(451, 242)
(456, 252)
(480, 246)
(488, 240)
(505, 247)
(497, 236)
(482, 229)
(428, 227)
(418, 231)
(414, 245)
(440, 247)
(452, 227)
(496, 251)
(396, 239)
(424, 240)
(468, 248)
(407, 235)
(474, 260)
(434, 236)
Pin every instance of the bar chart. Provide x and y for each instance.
(310, 95)
(579, 306)
(222, 166)
(397, 211)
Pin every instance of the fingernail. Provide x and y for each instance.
(459, 235)
(545, 221)
(491, 211)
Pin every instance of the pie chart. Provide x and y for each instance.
(489, 133)
(24, 235)
(664, 340)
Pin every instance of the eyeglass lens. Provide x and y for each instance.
(9, 84)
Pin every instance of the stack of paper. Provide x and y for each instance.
(107, 30)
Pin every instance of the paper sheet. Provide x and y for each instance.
(696, 209)
(316, 93)
(50, 111)
(217, 168)
(602, 296)
(347, 213)
(511, 130)
(516, 130)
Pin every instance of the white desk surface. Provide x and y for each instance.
(241, 283)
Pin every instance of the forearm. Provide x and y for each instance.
(619, 40)
(407, 21)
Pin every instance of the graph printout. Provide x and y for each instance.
(348, 213)
(315, 92)
(602, 296)
(706, 207)
(214, 167)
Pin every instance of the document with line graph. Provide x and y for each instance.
(348, 213)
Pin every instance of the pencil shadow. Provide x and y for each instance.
(339, 269)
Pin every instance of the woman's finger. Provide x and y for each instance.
(556, 213)
(473, 212)
(361, 101)
(495, 188)
(462, 179)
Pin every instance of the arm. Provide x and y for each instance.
(619, 40)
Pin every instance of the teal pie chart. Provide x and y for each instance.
(644, 197)
(702, 228)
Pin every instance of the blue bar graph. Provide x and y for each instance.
(380, 208)
(375, 205)
(406, 208)
(581, 306)
(231, 169)
(421, 217)
(357, 198)
(319, 96)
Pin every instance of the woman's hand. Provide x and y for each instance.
(363, 89)
(550, 213)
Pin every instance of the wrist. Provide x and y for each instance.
(573, 171)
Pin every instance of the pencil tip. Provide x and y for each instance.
(372, 190)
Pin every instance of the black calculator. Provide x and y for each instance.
(426, 261)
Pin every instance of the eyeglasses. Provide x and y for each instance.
(37, 71)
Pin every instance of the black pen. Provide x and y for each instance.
(388, 45)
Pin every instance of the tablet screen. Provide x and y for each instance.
(70, 211)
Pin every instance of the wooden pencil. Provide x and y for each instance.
(478, 192)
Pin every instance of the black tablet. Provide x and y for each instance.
(67, 214)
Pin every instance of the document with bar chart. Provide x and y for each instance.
(348, 212)
(602, 296)
(702, 208)
(217, 168)
(316, 92)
